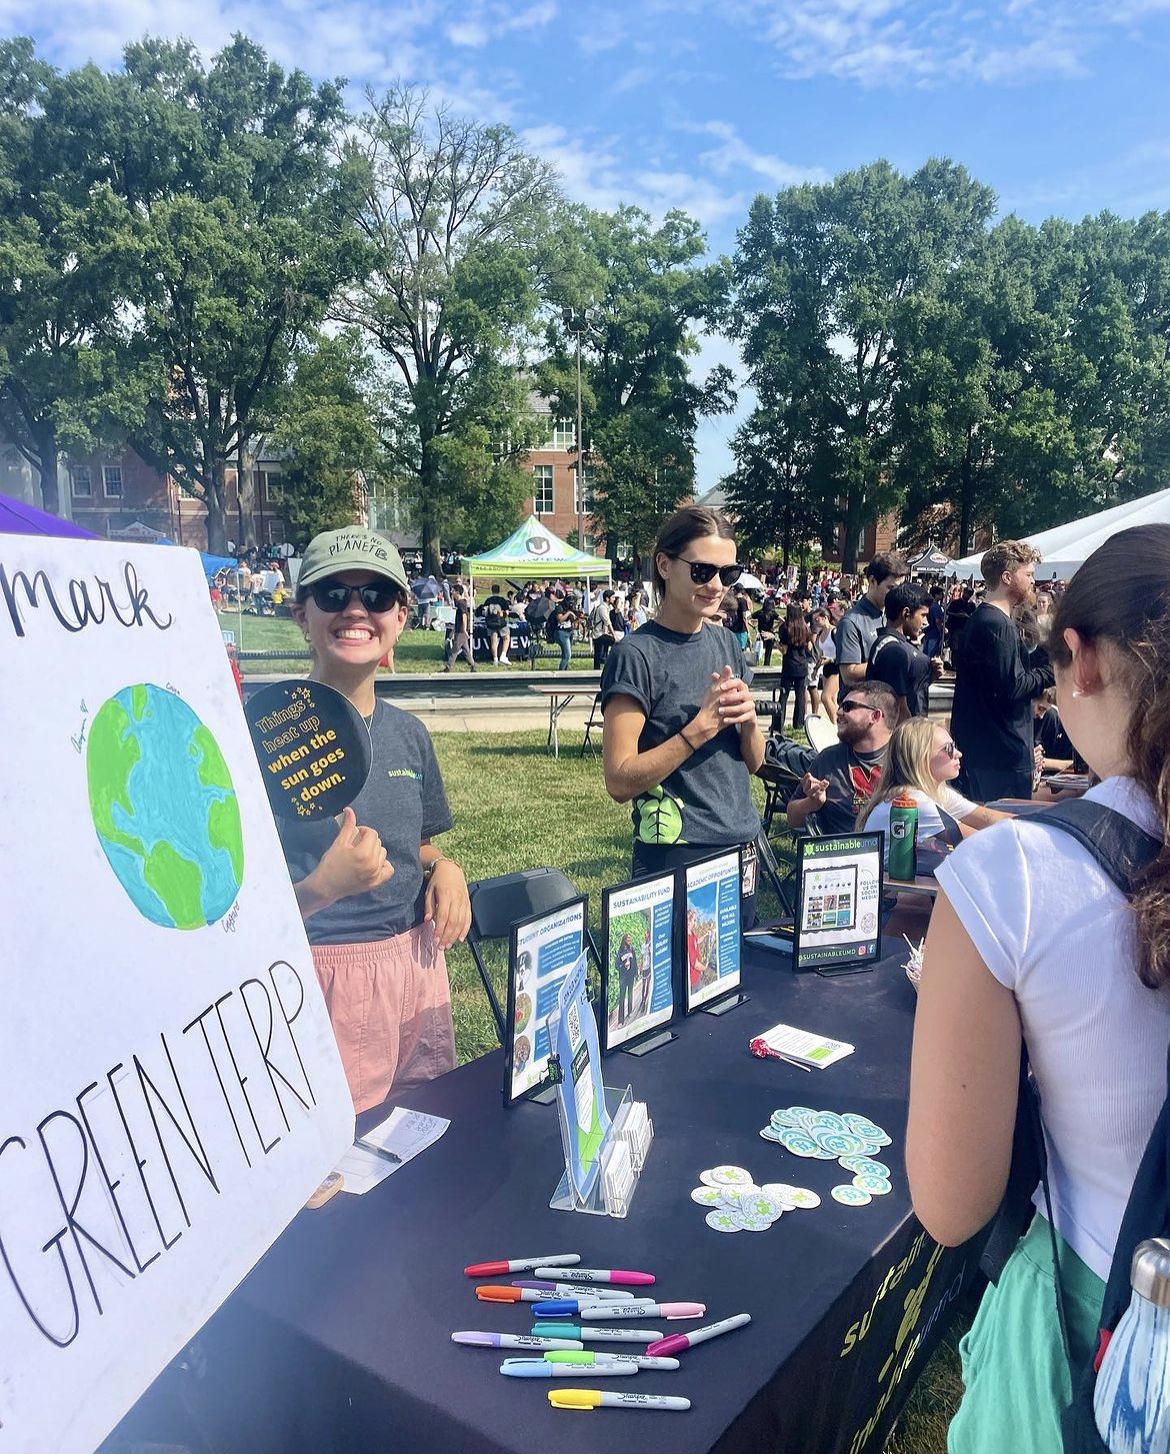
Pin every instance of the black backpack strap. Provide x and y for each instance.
(1121, 849)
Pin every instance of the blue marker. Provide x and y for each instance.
(573, 1307)
(590, 1334)
(537, 1368)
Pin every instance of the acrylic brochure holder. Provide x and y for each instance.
(622, 1155)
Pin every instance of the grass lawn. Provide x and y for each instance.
(515, 807)
(417, 651)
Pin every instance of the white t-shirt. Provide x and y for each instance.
(929, 820)
(1056, 932)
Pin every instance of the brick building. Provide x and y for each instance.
(554, 481)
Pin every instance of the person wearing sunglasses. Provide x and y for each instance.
(381, 902)
(923, 761)
(680, 738)
(842, 777)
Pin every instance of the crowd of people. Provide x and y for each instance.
(1030, 941)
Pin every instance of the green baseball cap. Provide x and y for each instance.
(351, 548)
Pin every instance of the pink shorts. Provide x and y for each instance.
(390, 1005)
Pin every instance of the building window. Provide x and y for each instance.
(542, 489)
(273, 488)
(80, 478)
(583, 507)
(112, 481)
(564, 434)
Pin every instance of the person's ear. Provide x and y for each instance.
(1086, 663)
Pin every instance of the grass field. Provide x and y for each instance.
(516, 807)
(417, 651)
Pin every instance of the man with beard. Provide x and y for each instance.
(991, 717)
(841, 778)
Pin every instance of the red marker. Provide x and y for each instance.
(521, 1264)
(596, 1274)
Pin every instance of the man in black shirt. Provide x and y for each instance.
(894, 657)
(841, 778)
(991, 718)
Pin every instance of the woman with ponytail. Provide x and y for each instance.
(1031, 942)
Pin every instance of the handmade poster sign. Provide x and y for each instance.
(542, 951)
(170, 1089)
(580, 1092)
(637, 966)
(313, 747)
(711, 929)
(839, 898)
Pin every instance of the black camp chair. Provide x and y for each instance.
(498, 903)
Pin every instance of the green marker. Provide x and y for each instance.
(599, 1360)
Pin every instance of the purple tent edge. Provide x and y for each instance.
(17, 518)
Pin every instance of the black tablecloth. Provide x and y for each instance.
(340, 1338)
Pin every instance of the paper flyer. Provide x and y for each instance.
(545, 950)
(712, 929)
(639, 978)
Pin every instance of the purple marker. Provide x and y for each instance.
(514, 1340)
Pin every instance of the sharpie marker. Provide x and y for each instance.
(593, 1398)
(568, 1289)
(537, 1368)
(602, 1294)
(594, 1335)
(595, 1274)
(587, 1306)
(515, 1340)
(555, 1260)
(669, 1311)
(676, 1342)
(488, 1293)
(588, 1359)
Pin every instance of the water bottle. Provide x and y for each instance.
(1131, 1401)
(903, 836)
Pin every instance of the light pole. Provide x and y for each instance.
(575, 323)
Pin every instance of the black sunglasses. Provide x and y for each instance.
(701, 572)
(852, 704)
(332, 597)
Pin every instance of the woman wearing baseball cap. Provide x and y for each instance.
(381, 902)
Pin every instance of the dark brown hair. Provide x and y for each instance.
(678, 530)
(887, 563)
(1121, 596)
(796, 628)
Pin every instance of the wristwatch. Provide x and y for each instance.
(434, 863)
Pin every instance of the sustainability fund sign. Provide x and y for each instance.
(170, 1090)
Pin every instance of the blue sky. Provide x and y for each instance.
(1062, 106)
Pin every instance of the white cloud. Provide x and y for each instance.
(733, 153)
(631, 79)
(468, 32)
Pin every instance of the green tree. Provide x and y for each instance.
(230, 191)
(824, 278)
(457, 214)
(782, 487)
(327, 429)
(64, 266)
(638, 293)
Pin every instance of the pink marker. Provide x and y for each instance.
(599, 1312)
(597, 1274)
(676, 1342)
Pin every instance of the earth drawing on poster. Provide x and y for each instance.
(164, 808)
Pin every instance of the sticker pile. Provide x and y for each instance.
(849, 1138)
(736, 1204)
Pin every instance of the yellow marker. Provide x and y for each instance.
(593, 1398)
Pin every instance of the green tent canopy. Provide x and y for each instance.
(532, 552)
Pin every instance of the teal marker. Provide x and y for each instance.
(590, 1334)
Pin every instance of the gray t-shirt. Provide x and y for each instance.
(852, 778)
(708, 800)
(856, 632)
(405, 801)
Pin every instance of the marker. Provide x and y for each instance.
(670, 1311)
(676, 1342)
(383, 1151)
(594, 1335)
(488, 1293)
(555, 1260)
(587, 1306)
(569, 1289)
(515, 1340)
(593, 1398)
(595, 1274)
(587, 1359)
(537, 1368)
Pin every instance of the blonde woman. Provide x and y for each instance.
(923, 761)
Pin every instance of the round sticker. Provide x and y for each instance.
(850, 1196)
(313, 748)
(707, 1196)
(723, 1221)
(729, 1176)
(877, 1186)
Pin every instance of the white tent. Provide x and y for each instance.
(1065, 547)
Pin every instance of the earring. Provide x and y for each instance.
(1078, 694)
